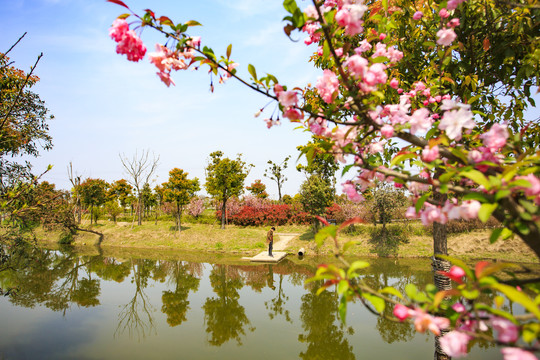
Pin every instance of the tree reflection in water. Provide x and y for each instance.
(136, 315)
(224, 317)
(325, 333)
(50, 278)
(276, 304)
(175, 303)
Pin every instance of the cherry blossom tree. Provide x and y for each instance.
(455, 148)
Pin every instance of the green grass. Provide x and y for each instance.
(250, 240)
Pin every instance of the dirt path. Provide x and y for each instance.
(284, 240)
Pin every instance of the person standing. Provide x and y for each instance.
(270, 240)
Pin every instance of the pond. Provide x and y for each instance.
(139, 305)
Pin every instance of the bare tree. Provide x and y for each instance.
(75, 182)
(275, 172)
(140, 169)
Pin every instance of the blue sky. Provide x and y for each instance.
(105, 106)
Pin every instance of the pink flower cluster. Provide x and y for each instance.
(349, 16)
(496, 137)
(128, 42)
(534, 189)
(289, 100)
(457, 116)
(166, 60)
(455, 342)
(450, 211)
(328, 86)
(422, 320)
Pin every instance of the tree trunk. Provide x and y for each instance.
(178, 216)
(139, 209)
(440, 247)
(91, 213)
(223, 209)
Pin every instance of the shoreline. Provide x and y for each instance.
(249, 241)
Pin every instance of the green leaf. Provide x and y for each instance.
(290, 6)
(193, 23)
(392, 291)
(357, 265)
(376, 301)
(229, 49)
(502, 194)
(252, 71)
(476, 196)
(470, 294)
(325, 233)
(348, 244)
(342, 287)
(486, 210)
(411, 290)
(500, 313)
(400, 158)
(478, 178)
(342, 308)
(519, 297)
(420, 202)
(495, 234)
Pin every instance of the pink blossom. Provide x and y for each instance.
(430, 154)
(394, 83)
(517, 354)
(327, 86)
(418, 15)
(118, 29)
(376, 74)
(507, 331)
(458, 307)
(377, 147)
(453, 23)
(364, 46)
(350, 190)
(455, 273)
(387, 131)
(454, 344)
(534, 189)
(444, 13)
(454, 121)
(445, 37)
(420, 121)
(357, 66)
(432, 214)
(355, 22)
(292, 114)
(166, 78)
(401, 312)
(287, 98)
(195, 41)
(496, 137)
(394, 55)
(452, 4)
(128, 42)
(411, 213)
(277, 89)
(424, 321)
(311, 12)
(343, 17)
(469, 209)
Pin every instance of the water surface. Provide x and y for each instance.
(196, 306)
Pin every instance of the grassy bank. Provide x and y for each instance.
(404, 240)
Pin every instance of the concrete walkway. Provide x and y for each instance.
(277, 251)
